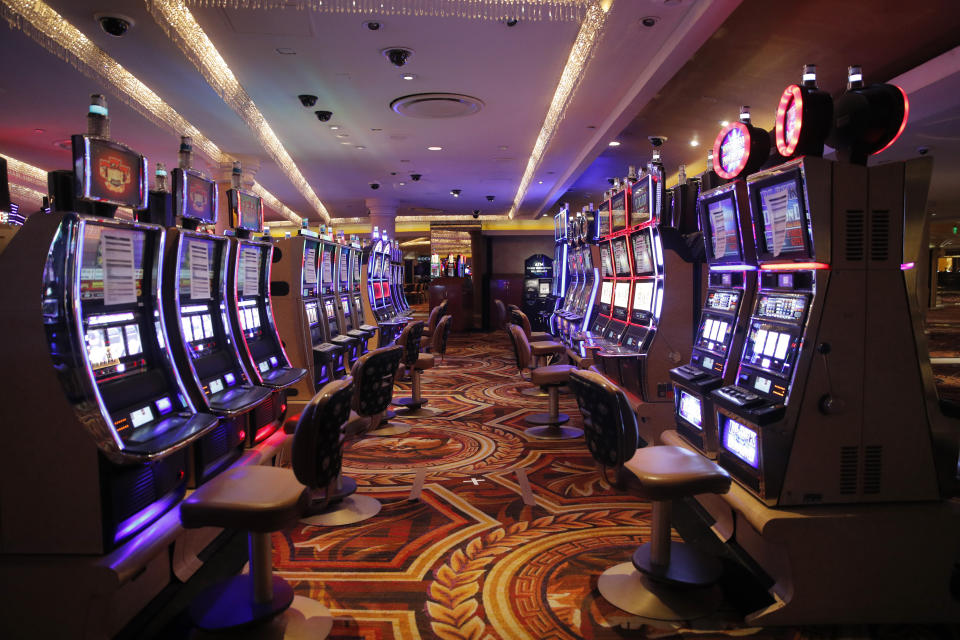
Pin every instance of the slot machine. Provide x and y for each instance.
(596, 325)
(251, 312)
(97, 414)
(295, 287)
(196, 297)
(396, 281)
(376, 309)
(346, 315)
(731, 283)
(355, 294)
(330, 305)
(563, 275)
(582, 304)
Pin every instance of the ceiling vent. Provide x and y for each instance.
(436, 105)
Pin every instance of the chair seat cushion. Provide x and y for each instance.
(424, 361)
(250, 498)
(556, 374)
(667, 472)
(546, 348)
(540, 336)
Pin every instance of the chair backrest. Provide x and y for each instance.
(410, 341)
(501, 319)
(373, 375)
(433, 318)
(609, 424)
(317, 452)
(443, 333)
(521, 347)
(520, 318)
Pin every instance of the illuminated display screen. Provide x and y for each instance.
(111, 172)
(246, 210)
(606, 292)
(313, 316)
(248, 271)
(215, 386)
(691, 409)
(642, 254)
(606, 264)
(731, 155)
(198, 275)
(621, 297)
(643, 296)
(121, 252)
(326, 269)
(344, 269)
(587, 261)
(604, 214)
(621, 261)
(715, 334)
(784, 307)
(741, 441)
(723, 240)
(331, 313)
(114, 346)
(723, 300)
(196, 196)
(770, 348)
(783, 219)
(544, 288)
(249, 316)
(640, 202)
(618, 210)
(345, 304)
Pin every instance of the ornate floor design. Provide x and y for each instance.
(470, 559)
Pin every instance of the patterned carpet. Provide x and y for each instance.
(470, 559)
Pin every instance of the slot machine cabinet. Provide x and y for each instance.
(731, 282)
(563, 275)
(582, 309)
(197, 319)
(98, 413)
(252, 315)
(375, 310)
(329, 303)
(295, 292)
(346, 314)
(355, 294)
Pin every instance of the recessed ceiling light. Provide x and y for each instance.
(614, 143)
(403, 184)
(360, 146)
(724, 123)
(434, 148)
(539, 181)
(39, 130)
(694, 143)
(408, 76)
(286, 51)
(345, 142)
(343, 135)
(503, 147)
(334, 127)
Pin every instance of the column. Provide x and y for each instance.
(223, 173)
(383, 214)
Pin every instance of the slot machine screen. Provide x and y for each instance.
(640, 202)
(313, 315)
(740, 440)
(326, 269)
(331, 312)
(246, 210)
(605, 261)
(643, 296)
(603, 213)
(691, 409)
(714, 334)
(771, 347)
(621, 262)
(377, 290)
(642, 254)
(618, 211)
(621, 297)
(587, 261)
(195, 196)
(248, 272)
(109, 172)
(344, 269)
(356, 269)
(722, 240)
(783, 232)
(606, 292)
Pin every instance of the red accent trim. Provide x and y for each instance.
(793, 266)
(788, 145)
(903, 124)
(718, 147)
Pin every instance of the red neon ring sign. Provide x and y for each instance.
(789, 136)
(722, 142)
(903, 124)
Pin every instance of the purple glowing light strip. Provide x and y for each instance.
(145, 516)
(906, 266)
(733, 267)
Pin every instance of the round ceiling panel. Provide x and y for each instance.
(436, 105)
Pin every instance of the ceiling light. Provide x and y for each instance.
(408, 76)
(455, 192)
(360, 146)
(503, 147)
(724, 123)
(539, 181)
(343, 135)
(39, 130)
(694, 143)
(613, 143)
(334, 127)
(345, 142)
(403, 184)
(434, 148)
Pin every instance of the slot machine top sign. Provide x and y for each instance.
(109, 172)
(804, 117)
(740, 148)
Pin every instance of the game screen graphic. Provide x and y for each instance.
(741, 441)
(640, 203)
(724, 235)
(606, 292)
(621, 295)
(642, 254)
(783, 219)
(116, 174)
(770, 348)
(200, 202)
(605, 262)
(621, 261)
(643, 296)
(691, 409)
(618, 207)
(111, 268)
(604, 214)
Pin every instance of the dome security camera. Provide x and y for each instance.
(476, 213)
(657, 141)
(398, 56)
(373, 25)
(649, 21)
(114, 24)
(415, 177)
(307, 100)
(324, 116)
(374, 185)
(511, 22)
(490, 198)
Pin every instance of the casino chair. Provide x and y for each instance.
(500, 322)
(317, 459)
(257, 499)
(438, 342)
(432, 320)
(545, 350)
(664, 580)
(416, 363)
(374, 374)
(520, 318)
(551, 378)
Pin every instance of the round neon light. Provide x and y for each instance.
(731, 150)
(903, 123)
(789, 120)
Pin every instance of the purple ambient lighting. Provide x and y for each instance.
(906, 266)
(733, 267)
(141, 518)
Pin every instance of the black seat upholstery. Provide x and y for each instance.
(416, 363)
(374, 374)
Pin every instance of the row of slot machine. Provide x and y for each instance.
(386, 304)
(160, 351)
(808, 377)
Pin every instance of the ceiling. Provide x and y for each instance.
(695, 66)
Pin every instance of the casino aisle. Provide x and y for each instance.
(470, 559)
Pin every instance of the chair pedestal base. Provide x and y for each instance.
(352, 509)
(626, 588)
(306, 619)
(230, 604)
(554, 432)
(411, 403)
(688, 567)
(535, 392)
(547, 419)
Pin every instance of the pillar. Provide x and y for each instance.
(223, 173)
(383, 214)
